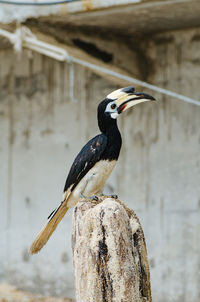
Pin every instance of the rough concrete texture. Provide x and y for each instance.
(109, 253)
(43, 126)
(144, 17)
(131, 16)
(9, 13)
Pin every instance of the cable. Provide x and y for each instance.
(135, 81)
(37, 3)
(24, 37)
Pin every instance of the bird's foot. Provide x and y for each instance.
(82, 196)
(114, 196)
(92, 198)
(111, 196)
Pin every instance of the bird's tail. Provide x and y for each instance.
(53, 220)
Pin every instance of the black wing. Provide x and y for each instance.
(85, 160)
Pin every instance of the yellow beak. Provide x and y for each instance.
(127, 100)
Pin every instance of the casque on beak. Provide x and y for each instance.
(130, 99)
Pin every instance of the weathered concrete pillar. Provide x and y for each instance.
(110, 258)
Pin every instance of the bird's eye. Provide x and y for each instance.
(113, 106)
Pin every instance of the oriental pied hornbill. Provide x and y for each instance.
(96, 160)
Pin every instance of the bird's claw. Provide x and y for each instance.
(111, 196)
(114, 196)
(94, 197)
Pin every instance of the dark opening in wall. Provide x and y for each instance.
(91, 49)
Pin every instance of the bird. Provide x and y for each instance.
(96, 160)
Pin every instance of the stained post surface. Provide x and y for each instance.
(109, 252)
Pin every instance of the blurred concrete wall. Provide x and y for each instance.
(158, 175)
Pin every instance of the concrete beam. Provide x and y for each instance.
(138, 18)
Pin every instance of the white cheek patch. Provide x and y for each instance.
(113, 112)
(108, 107)
(114, 115)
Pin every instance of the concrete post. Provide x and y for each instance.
(110, 258)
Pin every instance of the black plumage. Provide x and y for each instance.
(95, 161)
(105, 146)
(85, 160)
